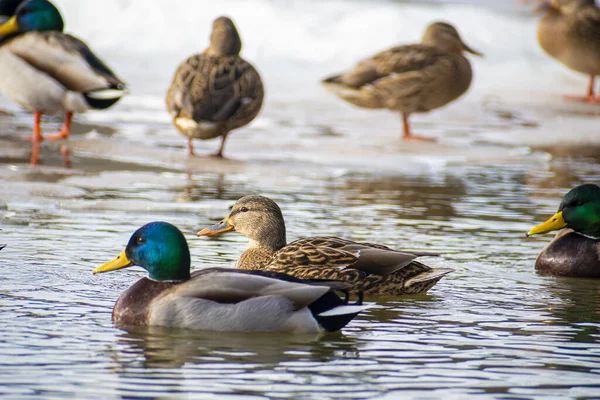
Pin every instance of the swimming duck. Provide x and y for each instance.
(575, 251)
(372, 269)
(217, 91)
(49, 72)
(216, 299)
(411, 78)
(569, 32)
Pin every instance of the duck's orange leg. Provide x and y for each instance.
(36, 140)
(219, 153)
(190, 147)
(64, 151)
(407, 132)
(589, 97)
(65, 130)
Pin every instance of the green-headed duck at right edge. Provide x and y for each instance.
(575, 251)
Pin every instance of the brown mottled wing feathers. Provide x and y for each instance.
(397, 60)
(215, 89)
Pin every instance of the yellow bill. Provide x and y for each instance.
(217, 229)
(10, 26)
(120, 262)
(555, 222)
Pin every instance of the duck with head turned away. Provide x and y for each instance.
(372, 269)
(575, 251)
(218, 299)
(569, 32)
(217, 91)
(409, 79)
(50, 72)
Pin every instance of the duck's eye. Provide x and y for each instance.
(140, 240)
(579, 203)
(243, 209)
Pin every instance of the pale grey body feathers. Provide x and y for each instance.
(50, 71)
(230, 301)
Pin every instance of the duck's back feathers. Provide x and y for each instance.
(222, 92)
(58, 63)
(573, 37)
(66, 58)
(230, 286)
(404, 78)
(570, 254)
(370, 268)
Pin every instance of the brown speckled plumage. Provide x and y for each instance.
(570, 33)
(217, 91)
(373, 269)
(410, 78)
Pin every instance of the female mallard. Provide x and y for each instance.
(570, 33)
(217, 91)
(49, 72)
(574, 251)
(216, 299)
(411, 78)
(373, 269)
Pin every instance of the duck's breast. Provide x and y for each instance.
(570, 254)
(134, 305)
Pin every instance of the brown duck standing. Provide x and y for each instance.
(217, 91)
(372, 269)
(570, 33)
(410, 78)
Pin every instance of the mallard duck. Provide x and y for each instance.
(217, 91)
(372, 269)
(50, 72)
(569, 32)
(575, 251)
(216, 299)
(411, 78)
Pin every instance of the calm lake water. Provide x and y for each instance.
(506, 154)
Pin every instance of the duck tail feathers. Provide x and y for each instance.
(338, 317)
(101, 99)
(332, 313)
(425, 281)
(332, 79)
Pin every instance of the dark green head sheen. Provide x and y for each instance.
(161, 249)
(39, 15)
(581, 209)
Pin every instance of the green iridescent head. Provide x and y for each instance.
(578, 210)
(158, 247)
(33, 15)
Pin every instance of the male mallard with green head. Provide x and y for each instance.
(575, 251)
(49, 72)
(372, 269)
(217, 299)
(217, 91)
(411, 78)
(569, 32)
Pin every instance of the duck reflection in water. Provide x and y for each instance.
(173, 348)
